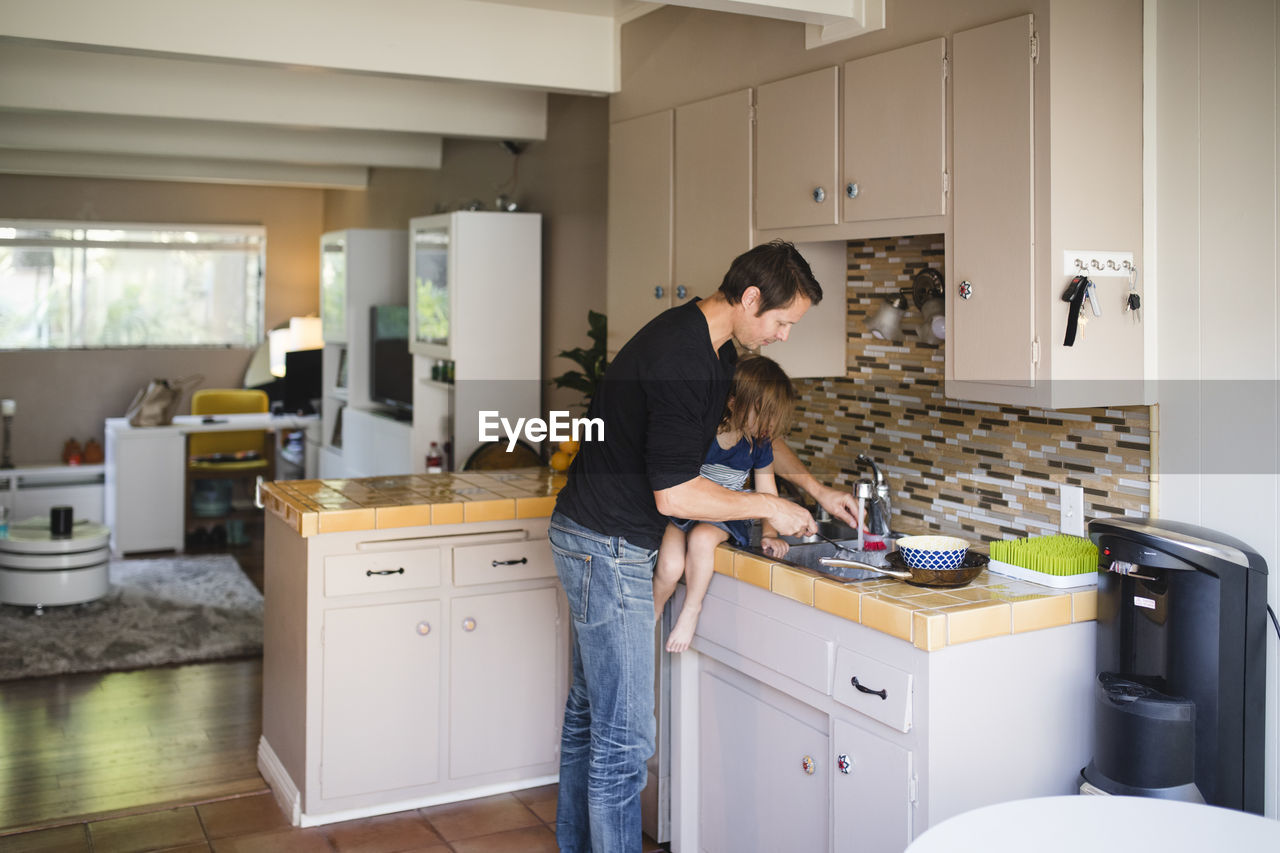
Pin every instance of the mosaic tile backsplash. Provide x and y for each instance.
(977, 470)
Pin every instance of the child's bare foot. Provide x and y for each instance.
(682, 634)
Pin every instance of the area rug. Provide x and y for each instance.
(165, 611)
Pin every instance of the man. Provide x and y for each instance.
(661, 401)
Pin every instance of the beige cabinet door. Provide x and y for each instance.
(871, 801)
(797, 154)
(895, 134)
(505, 701)
(639, 229)
(712, 191)
(380, 717)
(990, 334)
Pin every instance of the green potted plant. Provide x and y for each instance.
(592, 360)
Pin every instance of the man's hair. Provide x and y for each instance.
(761, 387)
(780, 272)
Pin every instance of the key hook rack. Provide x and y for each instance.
(1098, 264)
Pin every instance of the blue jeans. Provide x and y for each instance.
(609, 727)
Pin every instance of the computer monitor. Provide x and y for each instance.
(302, 382)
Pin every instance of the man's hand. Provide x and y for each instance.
(789, 519)
(774, 547)
(839, 503)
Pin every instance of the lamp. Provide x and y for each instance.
(887, 322)
(301, 333)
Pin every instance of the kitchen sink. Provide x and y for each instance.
(806, 551)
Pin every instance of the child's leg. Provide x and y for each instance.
(669, 568)
(699, 566)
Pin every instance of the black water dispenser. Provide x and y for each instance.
(1181, 684)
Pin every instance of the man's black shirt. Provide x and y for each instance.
(661, 401)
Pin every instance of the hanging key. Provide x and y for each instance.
(1134, 302)
(1072, 287)
(1090, 287)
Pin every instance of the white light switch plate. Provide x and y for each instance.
(1072, 522)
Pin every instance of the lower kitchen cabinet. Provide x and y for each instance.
(762, 785)
(795, 729)
(410, 666)
(380, 726)
(500, 647)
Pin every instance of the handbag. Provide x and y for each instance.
(156, 404)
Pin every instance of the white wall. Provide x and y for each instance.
(1212, 242)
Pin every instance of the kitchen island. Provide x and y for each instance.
(415, 645)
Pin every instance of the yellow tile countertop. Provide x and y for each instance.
(930, 619)
(311, 507)
(990, 606)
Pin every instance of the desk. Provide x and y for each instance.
(146, 474)
(1082, 823)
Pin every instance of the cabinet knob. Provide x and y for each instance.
(808, 765)
(424, 628)
(851, 189)
(659, 292)
(966, 289)
(843, 762)
(681, 291)
(819, 195)
(468, 624)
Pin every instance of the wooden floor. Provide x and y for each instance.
(112, 743)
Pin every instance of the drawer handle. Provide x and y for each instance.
(883, 694)
(370, 572)
(519, 562)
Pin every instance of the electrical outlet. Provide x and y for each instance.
(1072, 499)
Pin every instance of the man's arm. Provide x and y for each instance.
(839, 503)
(704, 500)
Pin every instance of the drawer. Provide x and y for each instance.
(797, 654)
(386, 571)
(521, 560)
(885, 693)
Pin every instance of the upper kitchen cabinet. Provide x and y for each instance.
(895, 134)
(639, 239)
(797, 151)
(713, 190)
(1037, 184)
(679, 207)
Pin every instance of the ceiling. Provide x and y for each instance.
(309, 92)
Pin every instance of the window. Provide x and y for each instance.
(72, 285)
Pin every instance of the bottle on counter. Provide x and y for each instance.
(435, 459)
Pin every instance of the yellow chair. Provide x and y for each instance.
(239, 459)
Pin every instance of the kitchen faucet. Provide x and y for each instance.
(879, 510)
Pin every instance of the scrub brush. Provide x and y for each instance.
(1057, 560)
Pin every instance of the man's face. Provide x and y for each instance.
(754, 330)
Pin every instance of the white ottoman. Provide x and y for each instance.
(37, 570)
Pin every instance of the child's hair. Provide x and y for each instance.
(762, 387)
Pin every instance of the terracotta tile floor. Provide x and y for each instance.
(520, 822)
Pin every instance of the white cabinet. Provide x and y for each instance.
(898, 738)
(375, 444)
(380, 728)
(501, 643)
(410, 666)
(360, 268)
(797, 152)
(475, 298)
(1026, 197)
(895, 134)
(762, 783)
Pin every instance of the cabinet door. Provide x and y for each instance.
(505, 700)
(333, 288)
(871, 802)
(639, 229)
(990, 334)
(796, 150)
(755, 793)
(895, 140)
(380, 718)
(712, 191)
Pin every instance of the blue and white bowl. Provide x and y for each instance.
(933, 552)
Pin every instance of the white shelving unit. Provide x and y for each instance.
(360, 268)
(475, 298)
